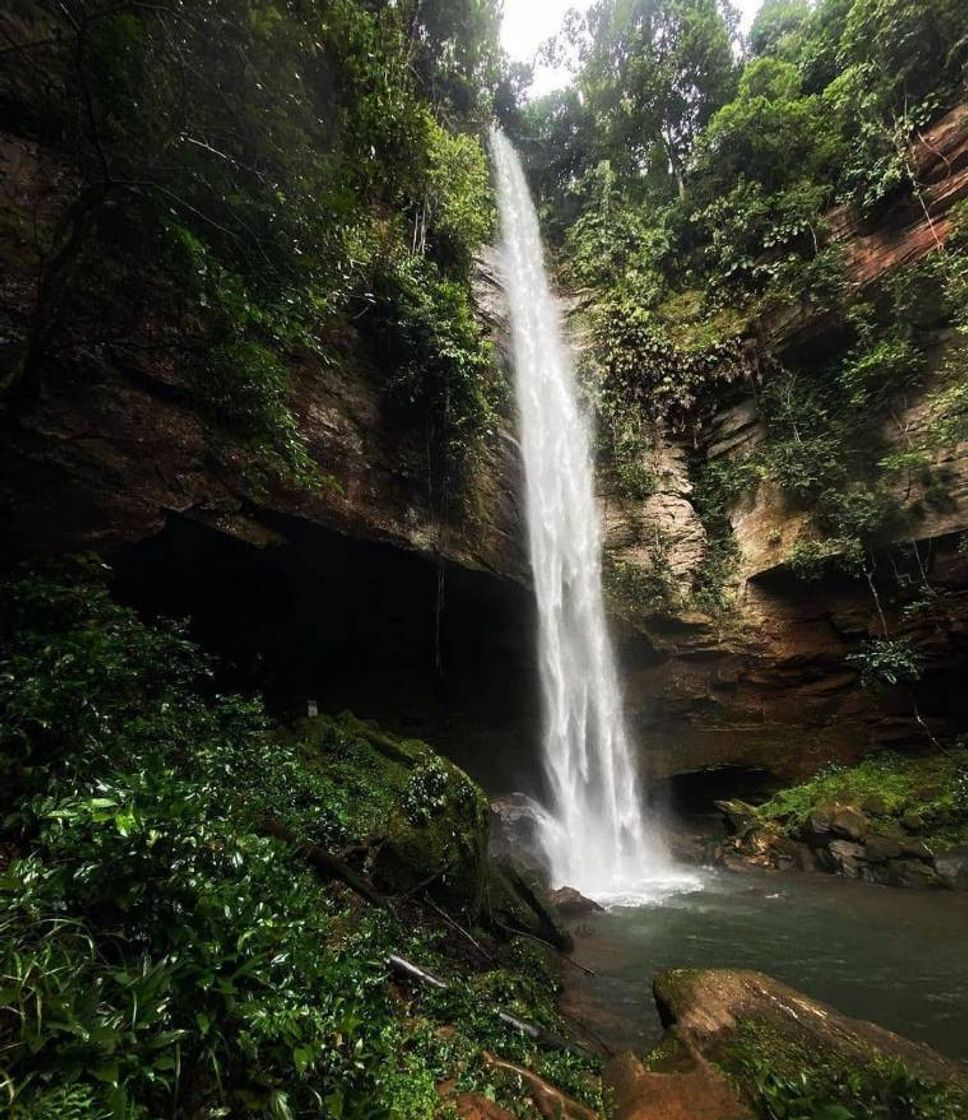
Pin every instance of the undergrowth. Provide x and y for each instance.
(161, 955)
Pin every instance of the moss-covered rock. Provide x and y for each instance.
(516, 901)
(789, 1055)
(420, 820)
(893, 819)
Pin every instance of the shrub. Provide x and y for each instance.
(885, 662)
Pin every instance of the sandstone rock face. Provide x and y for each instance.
(773, 687)
(664, 521)
(104, 460)
(100, 457)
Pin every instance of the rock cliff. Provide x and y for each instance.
(107, 450)
(770, 685)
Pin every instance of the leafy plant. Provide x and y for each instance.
(887, 662)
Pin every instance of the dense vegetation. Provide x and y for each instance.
(164, 952)
(251, 185)
(246, 190)
(686, 178)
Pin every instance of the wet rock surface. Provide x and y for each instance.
(689, 1089)
(514, 833)
(571, 903)
(843, 840)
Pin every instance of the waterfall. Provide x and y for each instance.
(596, 835)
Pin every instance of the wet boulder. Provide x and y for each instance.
(515, 902)
(952, 868)
(912, 873)
(882, 847)
(514, 833)
(849, 823)
(570, 903)
(848, 858)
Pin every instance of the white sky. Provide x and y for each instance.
(527, 23)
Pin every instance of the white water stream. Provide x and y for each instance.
(595, 832)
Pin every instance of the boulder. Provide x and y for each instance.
(879, 849)
(570, 903)
(744, 1023)
(789, 854)
(848, 822)
(740, 817)
(952, 868)
(515, 902)
(816, 828)
(848, 858)
(514, 833)
(912, 873)
(912, 820)
(916, 849)
(875, 806)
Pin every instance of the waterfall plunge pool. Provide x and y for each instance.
(898, 958)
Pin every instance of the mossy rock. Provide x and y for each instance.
(789, 1055)
(516, 901)
(422, 819)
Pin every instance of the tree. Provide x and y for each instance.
(778, 27)
(654, 73)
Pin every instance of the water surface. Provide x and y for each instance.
(896, 957)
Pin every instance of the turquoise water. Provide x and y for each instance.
(896, 957)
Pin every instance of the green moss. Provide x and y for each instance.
(424, 820)
(886, 785)
(782, 1076)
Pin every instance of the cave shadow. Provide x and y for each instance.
(309, 614)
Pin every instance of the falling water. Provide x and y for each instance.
(595, 835)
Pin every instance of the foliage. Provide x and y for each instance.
(670, 171)
(887, 662)
(787, 1080)
(717, 487)
(645, 370)
(242, 165)
(159, 954)
(425, 333)
(633, 591)
(929, 784)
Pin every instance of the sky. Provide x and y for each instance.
(527, 23)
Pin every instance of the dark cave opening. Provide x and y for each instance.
(353, 624)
